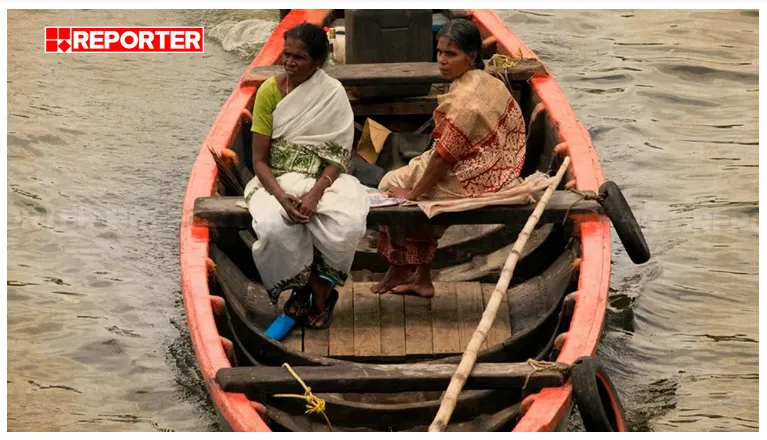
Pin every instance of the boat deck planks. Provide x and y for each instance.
(393, 328)
(470, 308)
(418, 331)
(392, 310)
(444, 309)
(501, 328)
(316, 341)
(367, 323)
(343, 323)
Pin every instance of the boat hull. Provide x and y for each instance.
(551, 407)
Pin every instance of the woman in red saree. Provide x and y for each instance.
(479, 147)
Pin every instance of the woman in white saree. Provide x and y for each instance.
(308, 215)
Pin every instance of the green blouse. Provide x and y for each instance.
(267, 98)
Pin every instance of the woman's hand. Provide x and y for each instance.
(307, 204)
(289, 202)
(435, 170)
(396, 192)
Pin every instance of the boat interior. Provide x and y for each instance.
(372, 331)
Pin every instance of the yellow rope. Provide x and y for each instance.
(498, 64)
(544, 366)
(504, 61)
(314, 404)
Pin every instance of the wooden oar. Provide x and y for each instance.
(469, 357)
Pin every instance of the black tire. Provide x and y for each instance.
(283, 13)
(596, 397)
(624, 222)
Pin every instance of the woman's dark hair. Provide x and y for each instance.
(314, 38)
(465, 34)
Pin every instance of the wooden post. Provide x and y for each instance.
(458, 380)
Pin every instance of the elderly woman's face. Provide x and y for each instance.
(296, 60)
(452, 61)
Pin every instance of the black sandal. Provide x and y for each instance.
(302, 308)
(327, 314)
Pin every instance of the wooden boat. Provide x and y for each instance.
(556, 303)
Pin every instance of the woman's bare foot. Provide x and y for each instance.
(421, 285)
(395, 276)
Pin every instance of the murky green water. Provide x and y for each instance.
(100, 148)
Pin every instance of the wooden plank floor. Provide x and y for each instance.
(393, 328)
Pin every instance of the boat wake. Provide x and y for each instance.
(245, 38)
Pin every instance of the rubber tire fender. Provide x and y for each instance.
(596, 397)
(623, 220)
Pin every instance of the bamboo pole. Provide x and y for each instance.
(450, 399)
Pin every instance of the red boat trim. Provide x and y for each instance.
(235, 408)
(551, 404)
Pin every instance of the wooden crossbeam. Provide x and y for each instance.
(415, 105)
(394, 73)
(231, 212)
(352, 378)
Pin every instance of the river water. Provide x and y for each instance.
(100, 148)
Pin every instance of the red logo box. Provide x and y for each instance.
(137, 39)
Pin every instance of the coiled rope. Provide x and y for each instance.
(314, 405)
(498, 66)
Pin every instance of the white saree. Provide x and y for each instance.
(313, 126)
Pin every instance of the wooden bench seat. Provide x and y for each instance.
(393, 73)
(232, 212)
(385, 378)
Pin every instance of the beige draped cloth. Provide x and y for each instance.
(479, 129)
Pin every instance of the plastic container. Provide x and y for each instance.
(438, 20)
(333, 46)
(280, 327)
(339, 47)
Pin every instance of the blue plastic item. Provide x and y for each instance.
(329, 280)
(438, 20)
(280, 327)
